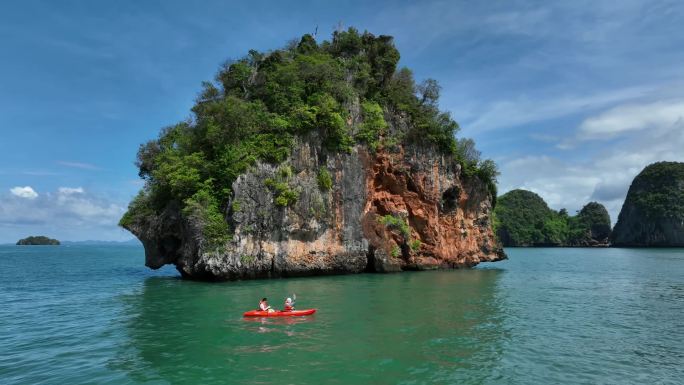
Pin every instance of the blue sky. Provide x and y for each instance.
(572, 98)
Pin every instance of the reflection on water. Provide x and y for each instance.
(441, 326)
(273, 324)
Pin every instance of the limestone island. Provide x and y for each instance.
(523, 219)
(38, 240)
(314, 159)
(653, 212)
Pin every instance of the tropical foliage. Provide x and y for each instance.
(257, 106)
(658, 191)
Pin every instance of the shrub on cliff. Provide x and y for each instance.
(396, 223)
(324, 179)
(284, 194)
(373, 126)
(202, 209)
(258, 104)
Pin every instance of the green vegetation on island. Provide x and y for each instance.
(38, 240)
(522, 218)
(658, 191)
(653, 212)
(258, 105)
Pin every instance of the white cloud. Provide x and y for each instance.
(24, 192)
(70, 210)
(605, 174)
(87, 209)
(70, 190)
(508, 114)
(561, 184)
(84, 166)
(517, 22)
(632, 117)
(39, 173)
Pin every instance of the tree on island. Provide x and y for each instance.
(38, 240)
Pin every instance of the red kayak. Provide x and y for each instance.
(278, 313)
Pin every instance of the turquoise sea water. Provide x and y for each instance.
(94, 314)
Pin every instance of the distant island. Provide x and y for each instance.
(651, 216)
(38, 240)
(653, 212)
(522, 218)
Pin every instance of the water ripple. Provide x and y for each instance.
(94, 315)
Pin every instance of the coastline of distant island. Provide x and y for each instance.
(27, 242)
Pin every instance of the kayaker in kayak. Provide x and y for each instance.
(289, 304)
(263, 305)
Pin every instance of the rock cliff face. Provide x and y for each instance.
(653, 212)
(314, 159)
(339, 230)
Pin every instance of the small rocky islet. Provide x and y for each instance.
(315, 159)
(39, 240)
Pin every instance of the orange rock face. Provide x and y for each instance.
(407, 209)
(448, 215)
